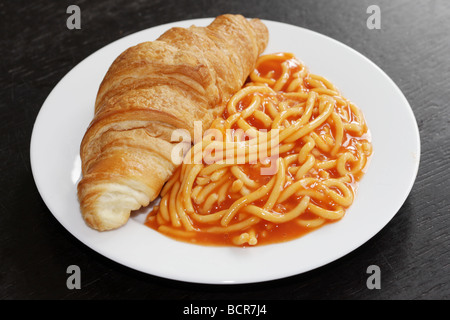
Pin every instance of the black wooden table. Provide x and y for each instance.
(38, 49)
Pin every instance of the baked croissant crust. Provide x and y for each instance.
(151, 89)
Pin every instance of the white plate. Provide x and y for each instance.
(66, 113)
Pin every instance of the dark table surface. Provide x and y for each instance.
(37, 50)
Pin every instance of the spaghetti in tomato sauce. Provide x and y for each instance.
(316, 148)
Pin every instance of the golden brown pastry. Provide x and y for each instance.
(151, 89)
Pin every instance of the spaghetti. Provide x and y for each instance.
(284, 159)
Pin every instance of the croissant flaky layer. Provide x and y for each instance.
(151, 89)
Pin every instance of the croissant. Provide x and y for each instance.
(151, 89)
